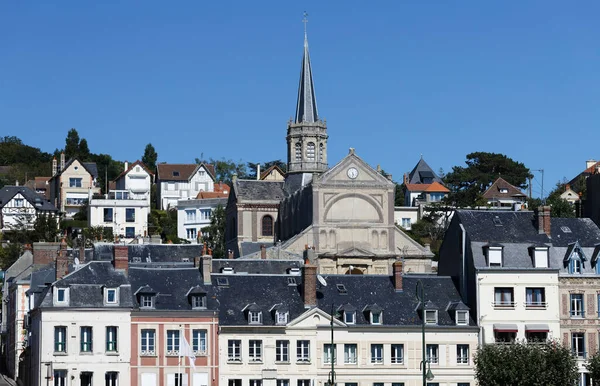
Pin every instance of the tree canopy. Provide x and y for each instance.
(150, 157)
(225, 168)
(468, 183)
(215, 238)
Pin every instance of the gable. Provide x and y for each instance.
(312, 318)
(352, 170)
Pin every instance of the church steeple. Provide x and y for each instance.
(306, 134)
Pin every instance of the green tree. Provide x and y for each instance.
(215, 238)
(150, 157)
(467, 184)
(72, 144)
(45, 228)
(593, 366)
(525, 364)
(83, 152)
(9, 253)
(226, 168)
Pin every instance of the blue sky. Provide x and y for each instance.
(394, 79)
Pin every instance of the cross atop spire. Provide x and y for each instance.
(306, 108)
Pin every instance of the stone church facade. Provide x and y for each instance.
(342, 217)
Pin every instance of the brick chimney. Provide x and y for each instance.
(398, 275)
(62, 261)
(230, 254)
(197, 260)
(405, 178)
(263, 252)
(310, 285)
(82, 251)
(206, 269)
(44, 253)
(54, 167)
(121, 258)
(543, 220)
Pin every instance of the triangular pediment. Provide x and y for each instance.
(314, 317)
(354, 251)
(352, 170)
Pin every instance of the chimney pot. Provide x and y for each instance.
(310, 285)
(398, 272)
(263, 252)
(229, 254)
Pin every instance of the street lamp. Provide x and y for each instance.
(425, 366)
(331, 379)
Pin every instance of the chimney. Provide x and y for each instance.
(121, 258)
(567, 187)
(82, 251)
(310, 285)
(229, 254)
(405, 178)
(263, 252)
(398, 275)
(379, 169)
(258, 172)
(197, 260)
(62, 161)
(234, 177)
(206, 269)
(589, 163)
(126, 165)
(54, 167)
(44, 253)
(62, 261)
(543, 220)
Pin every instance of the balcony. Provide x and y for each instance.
(536, 305)
(506, 305)
(76, 201)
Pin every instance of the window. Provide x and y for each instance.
(433, 353)
(85, 339)
(129, 214)
(397, 383)
(303, 350)
(577, 310)
(378, 384)
(463, 384)
(147, 339)
(578, 344)
(199, 341)
(111, 339)
(376, 353)
(540, 257)
(191, 233)
(536, 336)
(256, 382)
(575, 264)
(172, 342)
(129, 232)
(171, 185)
(146, 301)
(19, 202)
(110, 296)
(310, 151)
(176, 379)
(61, 296)
(234, 350)
(283, 382)
(503, 336)
(111, 378)
(495, 256)
(535, 297)
(198, 301)
(328, 354)
(254, 317)
(349, 317)
(435, 197)
(205, 214)
(406, 223)
(255, 350)
(85, 378)
(281, 317)
(60, 377)
(397, 353)
(60, 339)
(235, 382)
(267, 225)
(304, 382)
(431, 317)
(503, 297)
(75, 182)
(462, 318)
(375, 317)
(350, 352)
(108, 214)
(462, 354)
(282, 351)
(190, 215)
(321, 152)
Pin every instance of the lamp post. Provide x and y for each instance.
(425, 363)
(331, 379)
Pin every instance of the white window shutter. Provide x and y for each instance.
(170, 379)
(149, 379)
(200, 379)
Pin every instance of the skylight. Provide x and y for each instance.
(175, 173)
(291, 280)
(565, 229)
(222, 281)
(497, 221)
(341, 288)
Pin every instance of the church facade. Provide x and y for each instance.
(340, 217)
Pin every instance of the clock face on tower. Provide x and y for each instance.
(352, 173)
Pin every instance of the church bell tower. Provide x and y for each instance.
(306, 133)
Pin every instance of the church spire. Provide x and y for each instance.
(306, 108)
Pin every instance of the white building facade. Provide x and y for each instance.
(20, 206)
(182, 181)
(193, 215)
(127, 217)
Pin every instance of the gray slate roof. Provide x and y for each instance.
(151, 253)
(423, 174)
(259, 190)
(37, 200)
(253, 266)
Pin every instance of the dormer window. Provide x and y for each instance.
(376, 317)
(146, 301)
(494, 255)
(540, 257)
(575, 266)
(199, 301)
(503, 190)
(281, 317)
(61, 296)
(111, 296)
(350, 317)
(431, 316)
(575, 258)
(462, 318)
(255, 317)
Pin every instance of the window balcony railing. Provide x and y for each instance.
(577, 314)
(536, 305)
(504, 304)
(579, 354)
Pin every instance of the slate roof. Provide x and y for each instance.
(165, 172)
(268, 266)
(86, 286)
(514, 226)
(399, 308)
(258, 190)
(306, 107)
(172, 286)
(91, 168)
(495, 191)
(423, 174)
(151, 253)
(296, 181)
(8, 192)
